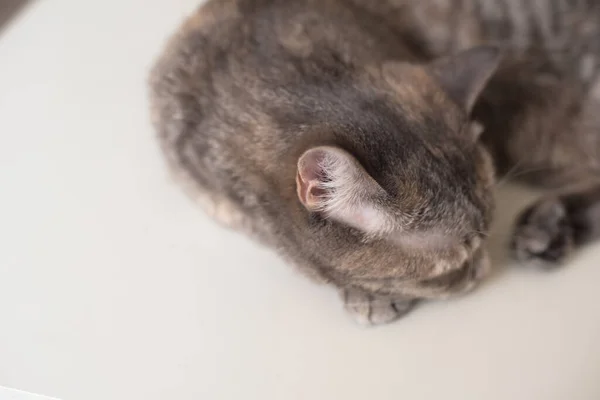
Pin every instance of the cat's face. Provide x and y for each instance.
(415, 206)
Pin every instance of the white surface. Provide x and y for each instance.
(112, 286)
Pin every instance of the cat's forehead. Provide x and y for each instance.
(422, 162)
(391, 140)
(414, 90)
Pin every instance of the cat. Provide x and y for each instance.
(361, 139)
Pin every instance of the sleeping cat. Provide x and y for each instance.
(347, 134)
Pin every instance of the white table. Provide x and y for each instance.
(113, 286)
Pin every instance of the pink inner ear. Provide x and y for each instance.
(308, 179)
(315, 193)
(310, 167)
(331, 181)
(309, 192)
(301, 188)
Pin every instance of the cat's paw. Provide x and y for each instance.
(543, 234)
(372, 310)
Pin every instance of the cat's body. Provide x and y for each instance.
(332, 131)
(540, 108)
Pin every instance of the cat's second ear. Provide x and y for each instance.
(331, 181)
(464, 75)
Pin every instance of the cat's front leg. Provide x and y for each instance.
(369, 309)
(548, 231)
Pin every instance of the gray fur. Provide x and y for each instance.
(338, 131)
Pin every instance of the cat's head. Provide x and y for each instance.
(406, 196)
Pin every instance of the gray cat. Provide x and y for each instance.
(346, 134)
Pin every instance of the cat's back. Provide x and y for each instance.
(235, 84)
(229, 89)
(250, 48)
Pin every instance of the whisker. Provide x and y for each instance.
(508, 177)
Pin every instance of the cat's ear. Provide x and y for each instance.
(464, 75)
(331, 181)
